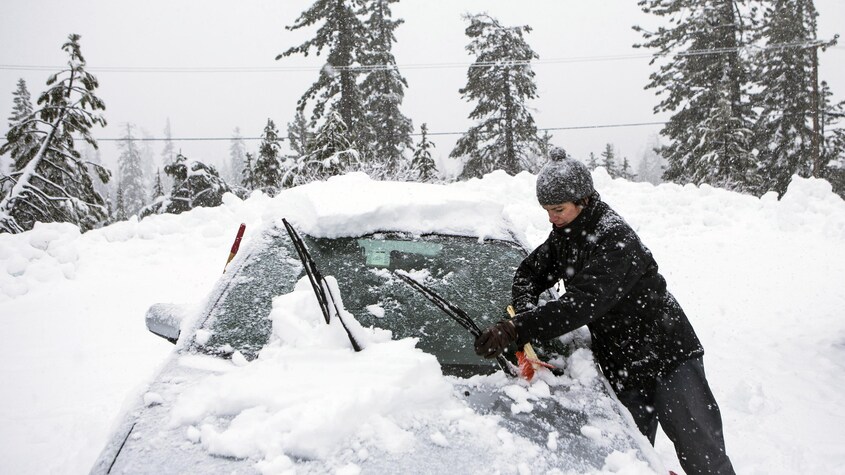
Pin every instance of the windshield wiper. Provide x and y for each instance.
(457, 314)
(318, 283)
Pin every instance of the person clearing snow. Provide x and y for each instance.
(641, 338)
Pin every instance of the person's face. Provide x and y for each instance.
(562, 214)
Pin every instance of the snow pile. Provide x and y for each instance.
(760, 279)
(47, 253)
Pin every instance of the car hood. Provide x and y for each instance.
(575, 427)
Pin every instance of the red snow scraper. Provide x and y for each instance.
(235, 246)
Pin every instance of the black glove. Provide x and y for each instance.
(493, 341)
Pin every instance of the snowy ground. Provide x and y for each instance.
(761, 280)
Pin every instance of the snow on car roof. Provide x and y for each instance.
(354, 205)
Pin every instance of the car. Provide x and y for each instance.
(323, 352)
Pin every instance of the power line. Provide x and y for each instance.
(282, 139)
(412, 66)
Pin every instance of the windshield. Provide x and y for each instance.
(475, 275)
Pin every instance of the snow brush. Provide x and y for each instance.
(235, 246)
(528, 361)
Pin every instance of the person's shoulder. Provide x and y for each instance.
(609, 223)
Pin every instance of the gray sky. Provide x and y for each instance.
(588, 73)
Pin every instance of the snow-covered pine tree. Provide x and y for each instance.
(703, 80)
(785, 97)
(55, 184)
(342, 33)
(247, 175)
(609, 161)
(24, 147)
(21, 104)
(383, 89)
(120, 213)
(332, 151)
(299, 136)
(237, 151)
(500, 81)
(195, 184)
(267, 171)
(422, 162)
(93, 158)
(593, 162)
(625, 170)
(833, 139)
(725, 140)
(535, 162)
(158, 188)
(130, 175)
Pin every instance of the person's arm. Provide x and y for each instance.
(535, 274)
(616, 264)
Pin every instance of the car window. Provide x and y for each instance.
(239, 320)
(475, 275)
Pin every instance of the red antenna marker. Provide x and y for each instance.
(235, 246)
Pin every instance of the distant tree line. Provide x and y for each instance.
(748, 113)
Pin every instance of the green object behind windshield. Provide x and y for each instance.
(377, 251)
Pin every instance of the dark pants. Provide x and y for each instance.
(688, 414)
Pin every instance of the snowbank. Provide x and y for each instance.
(760, 279)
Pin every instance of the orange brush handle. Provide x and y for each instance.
(530, 362)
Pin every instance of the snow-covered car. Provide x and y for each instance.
(314, 354)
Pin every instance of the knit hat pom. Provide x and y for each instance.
(557, 154)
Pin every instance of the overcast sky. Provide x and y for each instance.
(588, 73)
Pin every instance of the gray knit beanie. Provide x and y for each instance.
(563, 179)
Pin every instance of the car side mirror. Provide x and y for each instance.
(165, 320)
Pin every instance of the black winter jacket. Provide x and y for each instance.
(612, 285)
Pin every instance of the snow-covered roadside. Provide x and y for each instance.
(759, 278)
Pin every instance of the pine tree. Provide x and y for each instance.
(785, 127)
(422, 163)
(533, 163)
(247, 175)
(130, 175)
(120, 213)
(55, 184)
(299, 136)
(22, 118)
(704, 84)
(332, 151)
(383, 89)
(593, 162)
(833, 139)
(158, 188)
(609, 161)
(500, 81)
(625, 170)
(195, 184)
(342, 33)
(237, 149)
(267, 171)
